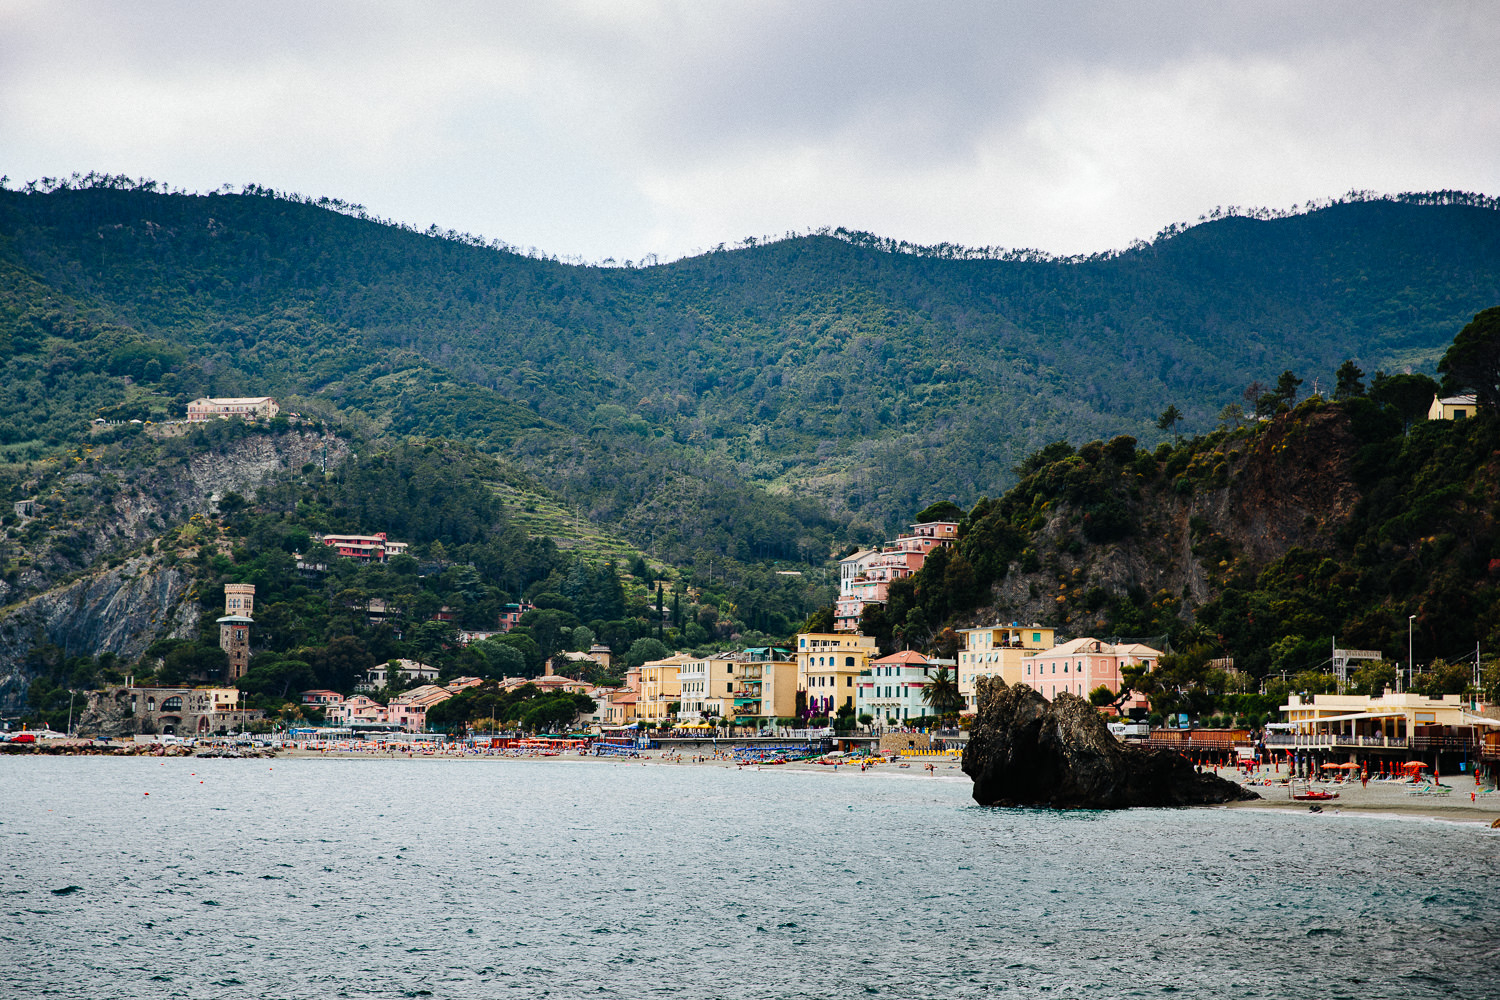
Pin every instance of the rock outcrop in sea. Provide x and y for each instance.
(1026, 751)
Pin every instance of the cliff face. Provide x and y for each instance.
(1293, 486)
(104, 509)
(1026, 751)
(120, 610)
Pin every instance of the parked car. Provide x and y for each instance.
(21, 738)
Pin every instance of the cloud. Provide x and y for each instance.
(617, 129)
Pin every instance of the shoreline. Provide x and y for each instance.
(1379, 800)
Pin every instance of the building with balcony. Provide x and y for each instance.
(827, 665)
(997, 651)
(865, 577)
(365, 548)
(1392, 721)
(892, 691)
(660, 688)
(409, 711)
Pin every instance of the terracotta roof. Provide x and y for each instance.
(905, 656)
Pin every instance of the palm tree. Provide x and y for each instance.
(941, 693)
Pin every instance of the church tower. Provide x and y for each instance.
(234, 628)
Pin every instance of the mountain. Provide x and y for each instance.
(793, 392)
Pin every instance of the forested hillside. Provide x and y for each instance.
(1257, 543)
(665, 398)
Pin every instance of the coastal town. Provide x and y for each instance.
(831, 691)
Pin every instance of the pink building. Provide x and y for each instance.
(510, 615)
(357, 709)
(322, 698)
(409, 711)
(366, 548)
(1084, 664)
(865, 577)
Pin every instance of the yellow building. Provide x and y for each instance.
(996, 651)
(661, 687)
(827, 664)
(1362, 721)
(1452, 408)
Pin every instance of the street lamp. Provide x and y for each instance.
(1411, 664)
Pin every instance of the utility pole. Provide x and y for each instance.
(71, 694)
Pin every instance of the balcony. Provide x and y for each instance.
(1335, 740)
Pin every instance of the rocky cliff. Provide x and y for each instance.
(120, 610)
(1027, 751)
(1246, 504)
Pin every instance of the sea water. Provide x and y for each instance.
(142, 877)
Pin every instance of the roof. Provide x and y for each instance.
(234, 400)
(1087, 644)
(235, 620)
(323, 691)
(905, 656)
(1466, 400)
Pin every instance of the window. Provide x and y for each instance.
(1036, 637)
(848, 661)
(848, 682)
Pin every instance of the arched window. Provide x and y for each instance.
(172, 704)
(848, 661)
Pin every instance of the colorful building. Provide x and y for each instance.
(996, 651)
(865, 577)
(366, 548)
(510, 615)
(892, 691)
(827, 665)
(1084, 664)
(660, 688)
(409, 711)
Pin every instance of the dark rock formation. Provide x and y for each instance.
(1027, 751)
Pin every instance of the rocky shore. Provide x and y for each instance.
(1027, 751)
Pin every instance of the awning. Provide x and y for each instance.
(1480, 720)
(1394, 714)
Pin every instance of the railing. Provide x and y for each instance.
(1332, 740)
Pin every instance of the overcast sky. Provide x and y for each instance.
(619, 129)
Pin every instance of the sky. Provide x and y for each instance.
(610, 131)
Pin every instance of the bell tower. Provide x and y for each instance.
(234, 628)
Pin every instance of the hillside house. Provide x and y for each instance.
(222, 408)
(1453, 408)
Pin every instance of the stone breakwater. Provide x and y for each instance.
(1026, 751)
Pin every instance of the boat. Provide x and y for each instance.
(1302, 792)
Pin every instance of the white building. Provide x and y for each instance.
(892, 690)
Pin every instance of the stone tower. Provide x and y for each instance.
(234, 628)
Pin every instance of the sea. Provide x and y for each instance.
(307, 878)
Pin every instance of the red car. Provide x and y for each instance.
(23, 738)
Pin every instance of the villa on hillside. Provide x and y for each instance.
(222, 408)
(366, 548)
(1453, 407)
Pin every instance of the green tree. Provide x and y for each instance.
(1408, 395)
(1286, 388)
(1348, 384)
(1473, 360)
(941, 693)
(646, 649)
(1169, 419)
